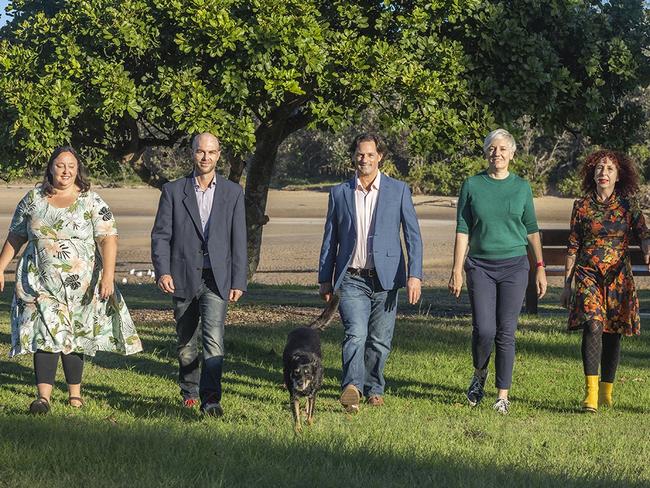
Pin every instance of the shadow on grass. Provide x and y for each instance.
(146, 455)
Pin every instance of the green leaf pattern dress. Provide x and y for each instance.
(56, 305)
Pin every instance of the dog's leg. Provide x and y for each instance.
(311, 405)
(296, 414)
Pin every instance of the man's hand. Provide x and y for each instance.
(166, 283)
(235, 295)
(325, 291)
(540, 280)
(413, 289)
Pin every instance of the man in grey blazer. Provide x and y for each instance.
(198, 249)
(362, 258)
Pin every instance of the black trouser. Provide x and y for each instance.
(45, 364)
(496, 292)
(602, 349)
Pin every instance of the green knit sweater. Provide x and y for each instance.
(497, 214)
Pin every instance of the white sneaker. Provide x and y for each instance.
(502, 406)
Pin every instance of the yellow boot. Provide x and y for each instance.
(590, 403)
(605, 394)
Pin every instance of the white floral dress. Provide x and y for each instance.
(56, 305)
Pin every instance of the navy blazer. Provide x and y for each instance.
(177, 240)
(394, 210)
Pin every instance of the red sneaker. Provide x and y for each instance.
(190, 402)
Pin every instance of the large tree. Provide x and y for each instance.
(117, 77)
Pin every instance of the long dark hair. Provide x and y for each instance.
(81, 180)
(628, 177)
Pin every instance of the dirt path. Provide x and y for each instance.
(292, 238)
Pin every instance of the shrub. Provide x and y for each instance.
(446, 178)
(443, 178)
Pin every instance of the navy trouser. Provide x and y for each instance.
(496, 293)
(368, 315)
(208, 308)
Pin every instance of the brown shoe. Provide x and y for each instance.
(375, 400)
(350, 398)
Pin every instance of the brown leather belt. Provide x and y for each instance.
(363, 272)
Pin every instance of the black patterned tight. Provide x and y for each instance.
(599, 347)
(45, 364)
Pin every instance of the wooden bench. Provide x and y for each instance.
(554, 244)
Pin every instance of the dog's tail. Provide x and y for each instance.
(328, 314)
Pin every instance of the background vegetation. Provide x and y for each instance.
(121, 80)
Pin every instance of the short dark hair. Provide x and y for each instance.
(628, 176)
(81, 180)
(368, 137)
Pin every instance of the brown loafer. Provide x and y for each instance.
(350, 399)
(375, 400)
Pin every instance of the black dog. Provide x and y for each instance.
(303, 366)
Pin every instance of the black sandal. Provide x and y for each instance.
(76, 399)
(40, 406)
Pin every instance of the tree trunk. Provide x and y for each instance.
(286, 119)
(237, 165)
(258, 178)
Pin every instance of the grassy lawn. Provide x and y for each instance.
(133, 432)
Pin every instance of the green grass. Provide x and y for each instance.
(133, 432)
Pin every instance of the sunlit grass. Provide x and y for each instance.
(133, 431)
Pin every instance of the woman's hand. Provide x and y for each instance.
(540, 280)
(565, 297)
(106, 287)
(645, 247)
(2, 280)
(456, 283)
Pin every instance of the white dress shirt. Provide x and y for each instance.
(365, 204)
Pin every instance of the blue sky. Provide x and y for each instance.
(3, 18)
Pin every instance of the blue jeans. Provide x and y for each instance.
(209, 309)
(368, 315)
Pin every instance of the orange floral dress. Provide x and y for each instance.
(600, 237)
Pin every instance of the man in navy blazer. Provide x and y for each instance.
(362, 259)
(198, 249)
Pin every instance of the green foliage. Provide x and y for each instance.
(115, 78)
(444, 177)
(570, 185)
(524, 166)
(566, 64)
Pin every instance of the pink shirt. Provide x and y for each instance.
(365, 204)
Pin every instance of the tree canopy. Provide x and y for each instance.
(114, 78)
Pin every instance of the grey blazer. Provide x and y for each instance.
(177, 240)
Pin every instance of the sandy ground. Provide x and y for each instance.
(292, 238)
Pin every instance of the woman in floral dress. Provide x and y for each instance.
(604, 305)
(65, 303)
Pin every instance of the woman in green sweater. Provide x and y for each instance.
(496, 221)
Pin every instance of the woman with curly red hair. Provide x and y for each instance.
(604, 305)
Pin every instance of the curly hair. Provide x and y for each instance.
(628, 176)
